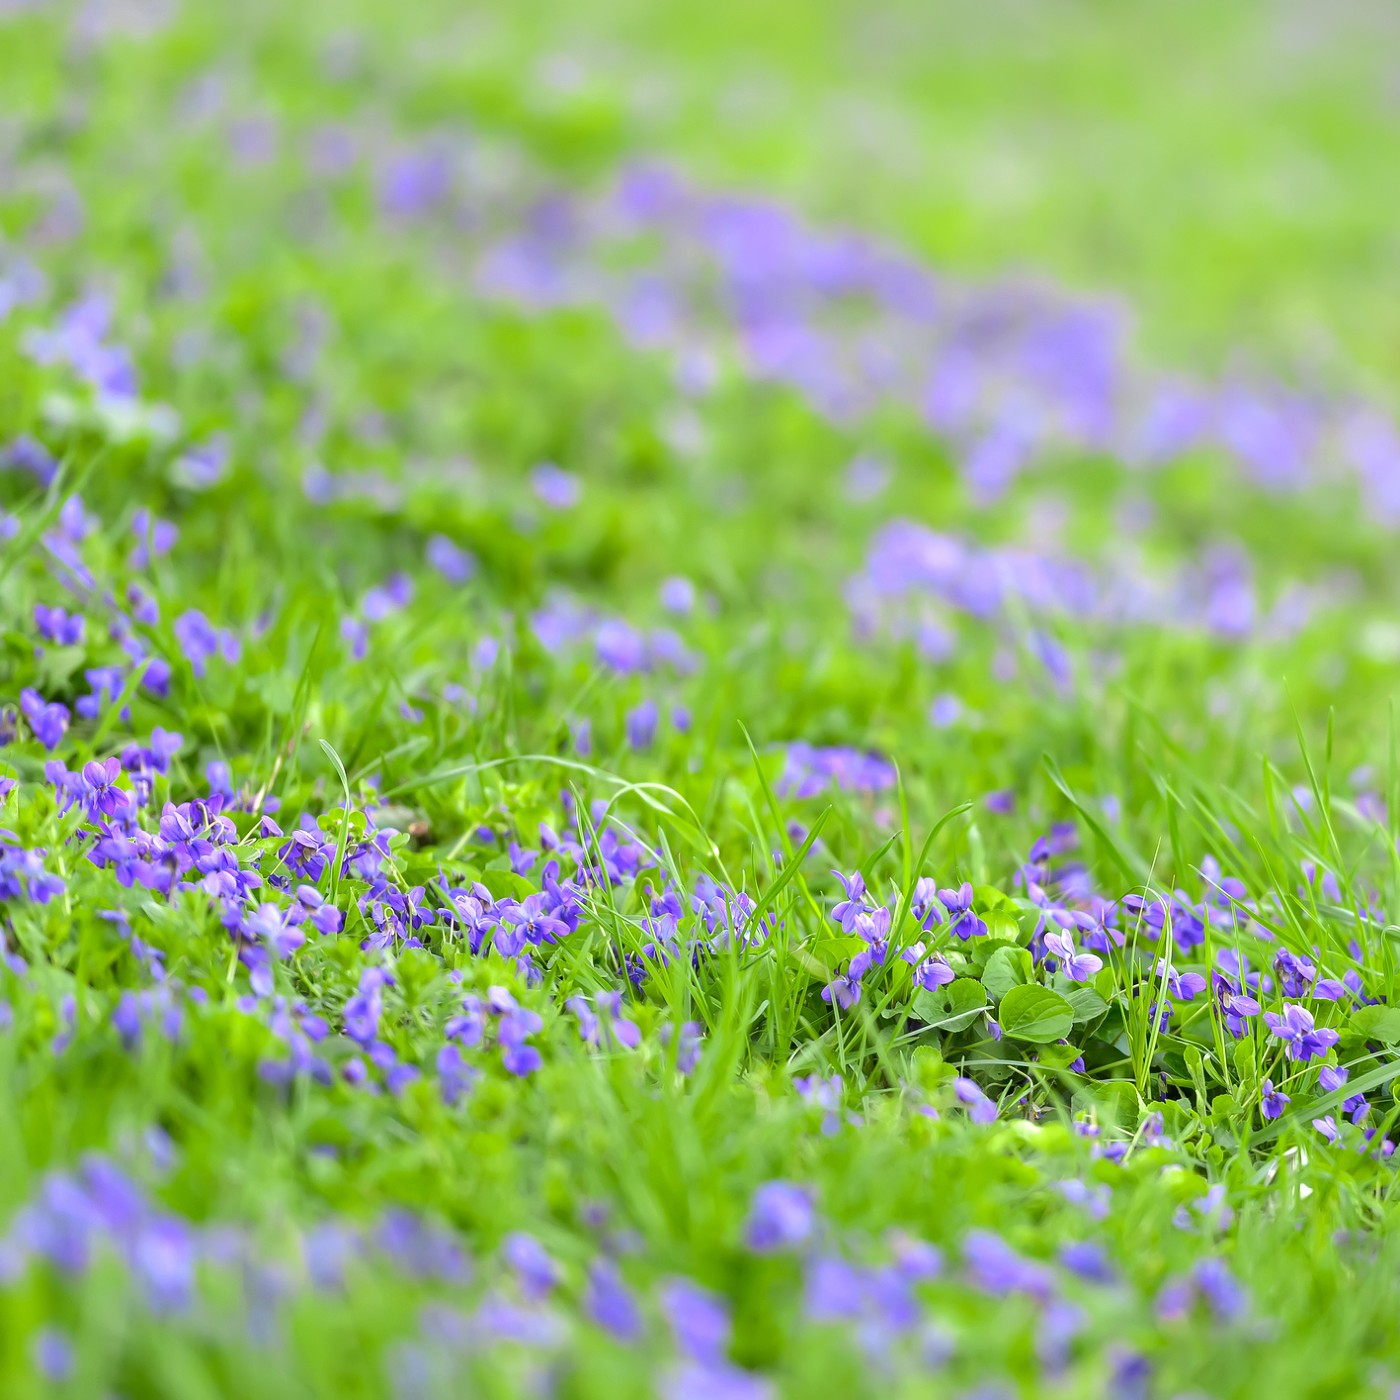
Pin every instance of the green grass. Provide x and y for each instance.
(1230, 176)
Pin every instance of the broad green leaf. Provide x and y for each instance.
(1001, 923)
(1007, 967)
(1088, 1005)
(1223, 1107)
(1115, 1104)
(987, 897)
(506, 884)
(1058, 1056)
(954, 1008)
(1244, 1061)
(1036, 1014)
(1380, 1023)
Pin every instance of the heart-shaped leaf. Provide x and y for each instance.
(1007, 967)
(1036, 1014)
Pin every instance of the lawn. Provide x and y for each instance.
(699, 703)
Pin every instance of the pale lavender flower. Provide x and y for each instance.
(53, 1355)
(781, 1216)
(1078, 967)
(610, 1303)
(556, 488)
(641, 725)
(678, 596)
(699, 1320)
(534, 1269)
(454, 563)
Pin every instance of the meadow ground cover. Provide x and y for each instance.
(643, 756)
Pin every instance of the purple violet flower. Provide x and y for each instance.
(610, 1303)
(556, 488)
(57, 626)
(678, 596)
(48, 722)
(844, 989)
(1274, 1101)
(53, 1355)
(699, 1320)
(534, 1269)
(641, 725)
(1077, 967)
(958, 903)
(454, 563)
(781, 1216)
(1295, 1027)
(980, 1108)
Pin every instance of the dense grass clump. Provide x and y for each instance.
(614, 783)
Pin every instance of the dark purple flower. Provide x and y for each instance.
(420, 1248)
(413, 182)
(102, 796)
(835, 1290)
(847, 910)
(1274, 1101)
(1184, 986)
(827, 1094)
(200, 641)
(532, 921)
(517, 1056)
(48, 722)
(1296, 974)
(57, 626)
(1235, 1007)
(361, 1012)
(873, 925)
(107, 683)
(271, 924)
(809, 771)
(604, 1023)
(931, 972)
(688, 1044)
(980, 1108)
(958, 903)
(26, 453)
